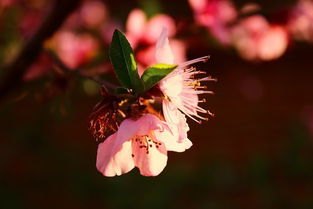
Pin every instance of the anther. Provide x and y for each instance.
(201, 87)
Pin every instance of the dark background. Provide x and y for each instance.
(255, 154)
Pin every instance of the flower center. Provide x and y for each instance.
(146, 142)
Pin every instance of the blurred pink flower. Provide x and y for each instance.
(74, 49)
(300, 21)
(144, 32)
(180, 88)
(93, 16)
(141, 143)
(215, 15)
(256, 39)
(93, 13)
(140, 29)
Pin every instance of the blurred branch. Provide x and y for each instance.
(64, 68)
(15, 71)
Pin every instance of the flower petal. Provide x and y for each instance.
(176, 140)
(130, 128)
(111, 163)
(150, 163)
(171, 140)
(115, 153)
(163, 52)
(174, 117)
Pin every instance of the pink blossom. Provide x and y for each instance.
(146, 56)
(135, 26)
(256, 39)
(74, 49)
(301, 20)
(180, 88)
(140, 29)
(145, 32)
(141, 143)
(93, 13)
(215, 15)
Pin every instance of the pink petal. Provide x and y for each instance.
(155, 26)
(198, 5)
(136, 22)
(135, 26)
(176, 140)
(163, 52)
(170, 140)
(111, 162)
(175, 118)
(115, 154)
(170, 112)
(152, 163)
(130, 128)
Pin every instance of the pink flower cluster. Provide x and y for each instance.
(301, 21)
(142, 34)
(256, 39)
(143, 141)
(253, 36)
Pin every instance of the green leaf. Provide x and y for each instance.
(155, 73)
(124, 63)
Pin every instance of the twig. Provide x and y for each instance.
(64, 68)
(15, 71)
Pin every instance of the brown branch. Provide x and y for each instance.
(15, 71)
(64, 68)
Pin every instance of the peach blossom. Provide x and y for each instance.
(180, 88)
(301, 21)
(256, 39)
(141, 29)
(93, 13)
(145, 32)
(141, 143)
(74, 49)
(215, 15)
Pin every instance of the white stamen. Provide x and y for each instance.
(190, 62)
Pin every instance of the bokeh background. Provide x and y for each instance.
(255, 154)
